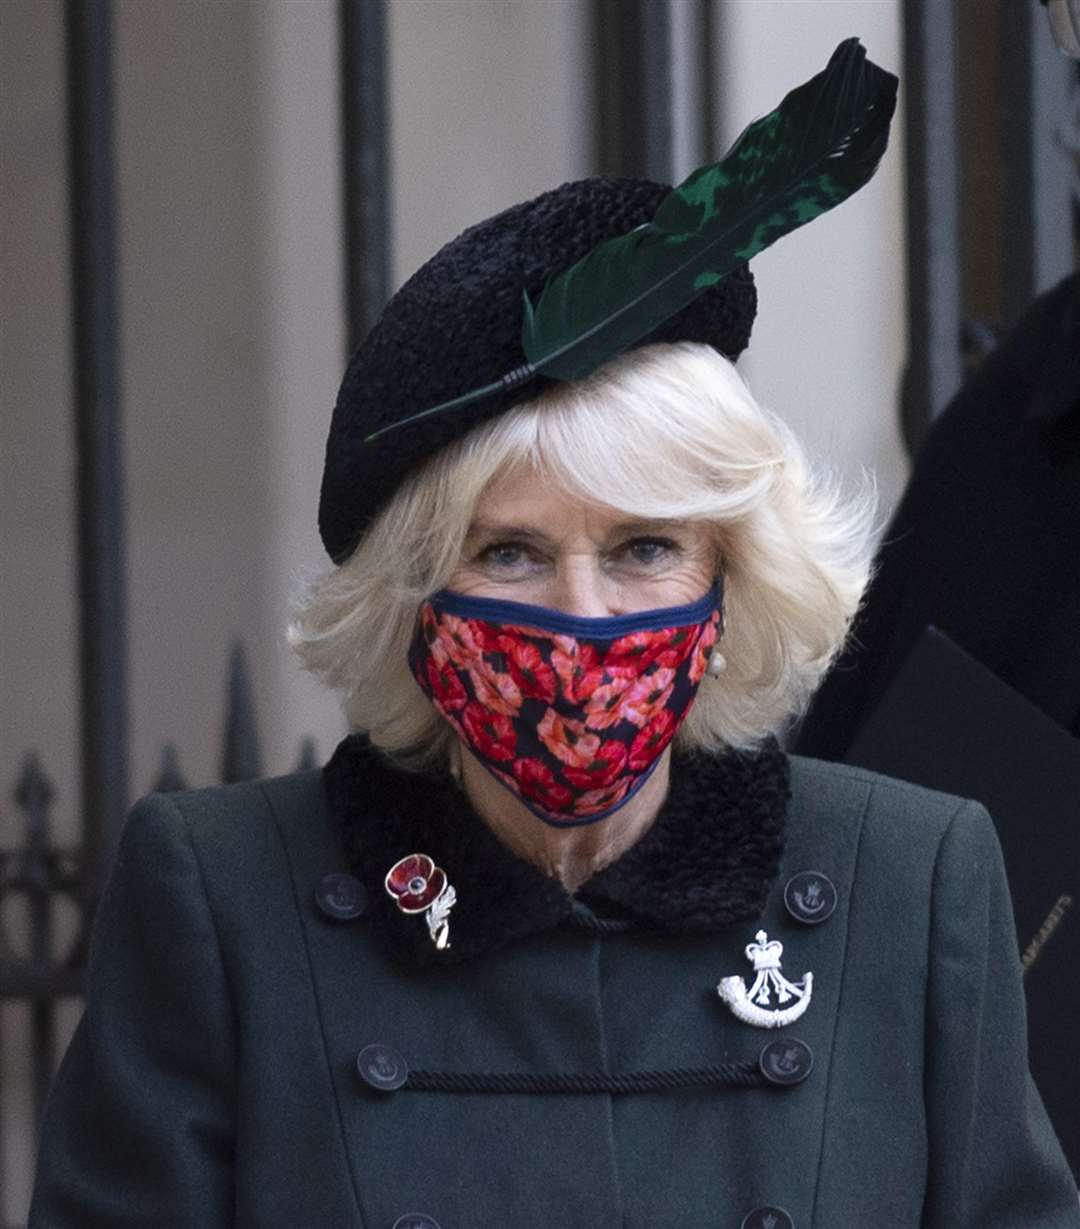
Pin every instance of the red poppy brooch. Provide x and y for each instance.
(417, 885)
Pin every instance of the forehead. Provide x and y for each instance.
(523, 492)
(522, 496)
(524, 502)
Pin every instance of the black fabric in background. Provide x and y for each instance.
(986, 541)
(949, 724)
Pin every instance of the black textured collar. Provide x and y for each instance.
(708, 860)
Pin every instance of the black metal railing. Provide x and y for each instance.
(100, 503)
(650, 73)
(38, 876)
(365, 163)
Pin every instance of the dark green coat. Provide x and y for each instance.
(212, 1080)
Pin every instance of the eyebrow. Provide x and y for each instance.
(528, 533)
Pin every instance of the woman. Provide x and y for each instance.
(562, 938)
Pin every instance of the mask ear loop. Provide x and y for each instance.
(454, 762)
(717, 661)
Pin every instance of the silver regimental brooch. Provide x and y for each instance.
(417, 885)
(754, 1006)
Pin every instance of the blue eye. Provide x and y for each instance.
(502, 554)
(649, 550)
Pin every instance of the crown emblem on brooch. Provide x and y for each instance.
(755, 1006)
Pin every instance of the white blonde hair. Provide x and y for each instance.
(663, 432)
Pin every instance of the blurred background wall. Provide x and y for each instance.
(232, 329)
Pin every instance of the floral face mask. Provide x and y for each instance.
(571, 714)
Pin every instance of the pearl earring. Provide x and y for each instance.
(717, 664)
(717, 661)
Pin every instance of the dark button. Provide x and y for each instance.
(786, 1061)
(810, 897)
(767, 1218)
(341, 897)
(381, 1067)
(416, 1220)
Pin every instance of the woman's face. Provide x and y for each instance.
(529, 543)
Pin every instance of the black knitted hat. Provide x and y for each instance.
(456, 324)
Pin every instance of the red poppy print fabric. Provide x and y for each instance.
(570, 714)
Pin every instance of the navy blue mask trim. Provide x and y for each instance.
(544, 618)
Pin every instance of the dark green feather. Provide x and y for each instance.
(818, 147)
